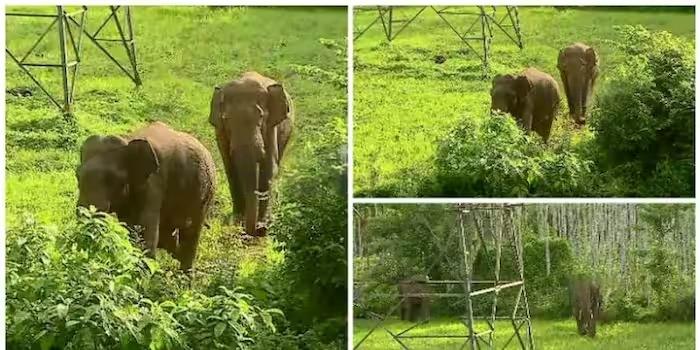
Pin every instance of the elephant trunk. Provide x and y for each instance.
(246, 160)
(579, 86)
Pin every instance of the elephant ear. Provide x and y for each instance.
(522, 86)
(141, 160)
(97, 144)
(278, 104)
(561, 61)
(217, 99)
(501, 78)
(591, 58)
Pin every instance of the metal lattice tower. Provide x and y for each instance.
(473, 242)
(475, 31)
(70, 28)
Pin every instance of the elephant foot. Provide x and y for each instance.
(261, 230)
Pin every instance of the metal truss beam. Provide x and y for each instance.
(70, 28)
(473, 243)
(476, 34)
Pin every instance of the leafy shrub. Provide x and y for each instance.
(89, 288)
(644, 114)
(310, 223)
(496, 158)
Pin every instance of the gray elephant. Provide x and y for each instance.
(586, 304)
(157, 178)
(532, 98)
(414, 308)
(578, 66)
(253, 119)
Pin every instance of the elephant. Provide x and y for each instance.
(578, 66)
(253, 120)
(586, 304)
(414, 308)
(532, 98)
(157, 178)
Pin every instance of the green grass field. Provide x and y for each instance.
(548, 335)
(404, 102)
(183, 52)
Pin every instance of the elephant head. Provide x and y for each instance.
(578, 66)
(245, 113)
(508, 93)
(109, 167)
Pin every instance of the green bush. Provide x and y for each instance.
(495, 158)
(89, 287)
(310, 223)
(644, 114)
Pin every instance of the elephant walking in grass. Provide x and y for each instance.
(253, 120)
(157, 178)
(532, 98)
(586, 305)
(414, 308)
(578, 66)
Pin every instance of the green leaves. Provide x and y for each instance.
(97, 294)
(644, 114)
(494, 157)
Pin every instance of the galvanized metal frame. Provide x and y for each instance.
(486, 17)
(69, 67)
(520, 315)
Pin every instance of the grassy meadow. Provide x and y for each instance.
(182, 53)
(548, 335)
(405, 102)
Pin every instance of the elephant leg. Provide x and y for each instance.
(238, 207)
(415, 312)
(579, 322)
(267, 169)
(569, 100)
(189, 241)
(546, 128)
(403, 311)
(167, 241)
(425, 310)
(237, 194)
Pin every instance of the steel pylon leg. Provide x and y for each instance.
(72, 42)
(66, 40)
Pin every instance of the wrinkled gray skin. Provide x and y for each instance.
(586, 305)
(578, 66)
(253, 119)
(414, 309)
(532, 98)
(157, 178)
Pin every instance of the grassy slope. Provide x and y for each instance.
(404, 102)
(182, 52)
(548, 335)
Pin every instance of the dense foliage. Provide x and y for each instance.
(645, 115)
(496, 159)
(312, 226)
(90, 287)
